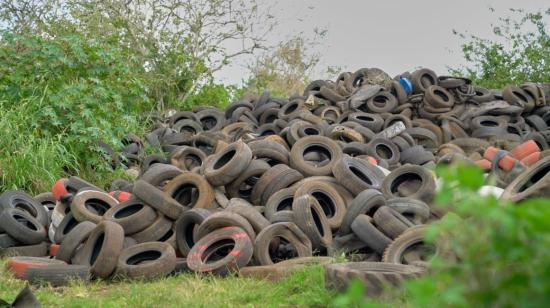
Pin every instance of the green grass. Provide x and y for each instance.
(303, 289)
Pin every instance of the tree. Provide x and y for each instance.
(287, 69)
(181, 42)
(520, 52)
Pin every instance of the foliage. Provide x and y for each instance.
(57, 97)
(520, 52)
(492, 253)
(286, 70)
(302, 289)
(181, 43)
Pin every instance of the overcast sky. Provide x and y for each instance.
(395, 36)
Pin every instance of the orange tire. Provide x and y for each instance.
(525, 149)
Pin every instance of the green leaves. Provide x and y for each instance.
(519, 53)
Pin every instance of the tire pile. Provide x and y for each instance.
(344, 168)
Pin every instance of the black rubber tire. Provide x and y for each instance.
(242, 186)
(78, 235)
(364, 229)
(375, 276)
(276, 178)
(233, 246)
(412, 238)
(37, 250)
(416, 211)
(21, 226)
(309, 216)
(186, 227)
(223, 219)
(255, 218)
(157, 199)
(159, 174)
(328, 198)
(103, 248)
(365, 203)
(390, 222)
(533, 182)
(356, 174)
(67, 225)
(326, 145)
(146, 260)
(187, 158)
(191, 190)
(228, 164)
(57, 275)
(6, 241)
(160, 227)
(421, 183)
(280, 201)
(23, 201)
(273, 152)
(132, 215)
(91, 205)
(288, 231)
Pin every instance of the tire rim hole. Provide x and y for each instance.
(128, 210)
(144, 257)
(218, 250)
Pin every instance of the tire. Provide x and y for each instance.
(47, 200)
(390, 222)
(243, 185)
(365, 203)
(223, 219)
(273, 152)
(90, 205)
(160, 227)
(191, 191)
(533, 182)
(159, 174)
(416, 211)
(276, 178)
(420, 183)
(255, 218)
(384, 150)
(309, 216)
(280, 201)
(348, 243)
(78, 235)
(103, 248)
(157, 199)
(132, 215)
(58, 275)
(7, 241)
(21, 226)
(356, 174)
(284, 230)
(38, 250)
(364, 229)
(330, 201)
(23, 201)
(227, 165)
(75, 184)
(374, 275)
(326, 145)
(146, 260)
(187, 158)
(186, 227)
(19, 266)
(232, 245)
(399, 250)
(67, 225)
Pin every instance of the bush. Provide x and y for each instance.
(57, 97)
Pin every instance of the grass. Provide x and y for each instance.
(303, 289)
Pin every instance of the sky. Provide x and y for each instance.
(395, 36)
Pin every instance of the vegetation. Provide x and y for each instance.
(305, 288)
(519, 53)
